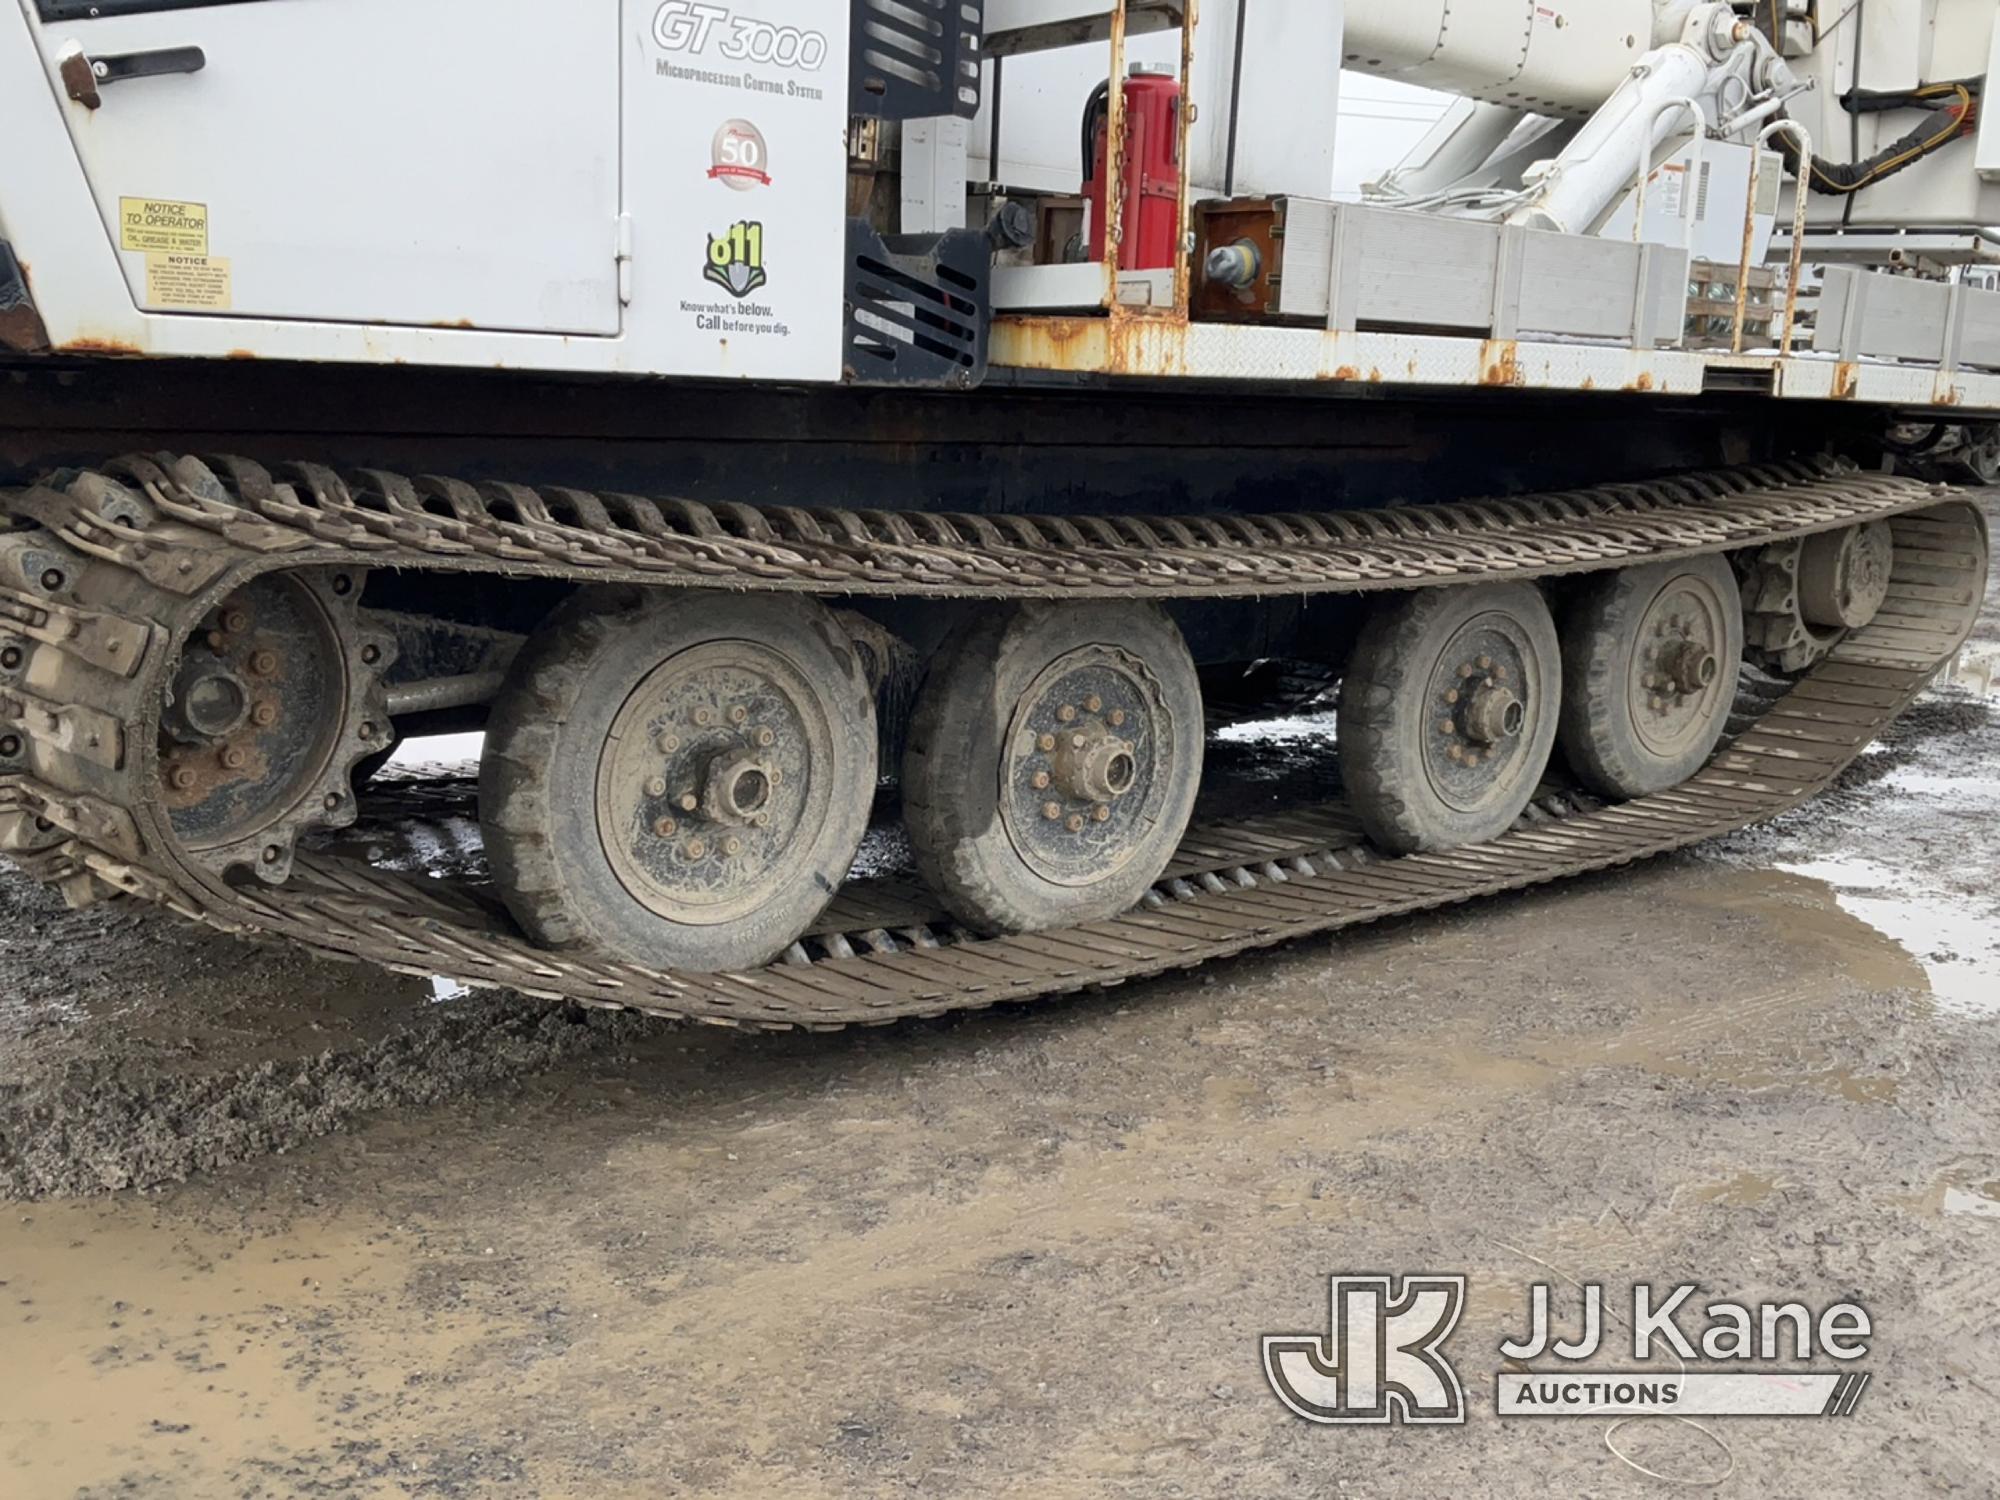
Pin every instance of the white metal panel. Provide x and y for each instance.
(1552, 56)
(399, 161)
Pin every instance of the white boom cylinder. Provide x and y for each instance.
(1598, 164)
(1561, 57)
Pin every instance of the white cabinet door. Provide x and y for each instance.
(432, 162)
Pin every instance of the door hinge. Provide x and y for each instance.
(624, 260)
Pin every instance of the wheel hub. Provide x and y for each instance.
(705, 785)
(1844, 575)
(274, 699)
(1080, 780)
(1477, 692)
(1677, 665)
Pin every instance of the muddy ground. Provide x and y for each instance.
(284, 1228)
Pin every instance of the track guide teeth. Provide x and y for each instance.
(87, 818)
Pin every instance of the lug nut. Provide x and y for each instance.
(1092, 704)
(703, 716)
(1066, 712)
(669, 743)
(776, 777)
(264, 715)
(1456, 753)
(738, 714)
(180, 778)
(263, 663)
(1452, 696)
(689, 802)
(765, 739)
(1465, 670)
(214, 639)
(1074, 823)
(1100, 813)
(1046, 742)
(1041, 781)
(732, 846)
(1117, 717)
(234, 758)
(696, 849)
(1052, 810)
(1445, 726)
(665, 828)
(657, 787)
(235, 621)
(1485, 663)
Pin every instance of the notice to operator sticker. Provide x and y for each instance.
(159, 225)
(187, 281)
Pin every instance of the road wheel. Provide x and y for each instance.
(1649, 669)
(1448, 713)
(679, 779)
(1053, 762)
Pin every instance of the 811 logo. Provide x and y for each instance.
(689, 26)
(1381, 1358)
(736, 259)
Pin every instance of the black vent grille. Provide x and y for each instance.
(917, 310)
(916, 59)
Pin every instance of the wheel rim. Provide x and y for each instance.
(1485, 694)
(1681, 673)
(254, 717)
(706, 788)
(1082, 780)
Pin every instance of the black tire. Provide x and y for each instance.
(1629, 727)
(551, 752)
(1406, 662)
(961, 808)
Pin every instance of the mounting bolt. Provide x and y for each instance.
(343, 585)
(235, 621)
(53, 579)
(331, 801)
(10, 658)
(777, 776)
(272, 854)
(370, 655)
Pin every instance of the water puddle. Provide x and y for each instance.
(1287, 731)
(1955, 945)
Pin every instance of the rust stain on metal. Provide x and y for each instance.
(1846, 380)
(1499, 362)
(1589, 383)
(241, 354)
(80, 79)
(1346, 372)
(99, 346)
(455, 323)
(1642, 382)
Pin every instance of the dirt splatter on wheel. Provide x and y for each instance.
(679, 780)
(1053, 763)
(1448, 713)
(1649, 669)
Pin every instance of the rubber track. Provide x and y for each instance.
(63, 828)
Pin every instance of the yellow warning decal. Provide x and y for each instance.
(187, 281)
(159, 224)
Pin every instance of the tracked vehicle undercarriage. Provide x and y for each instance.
(679, 764)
